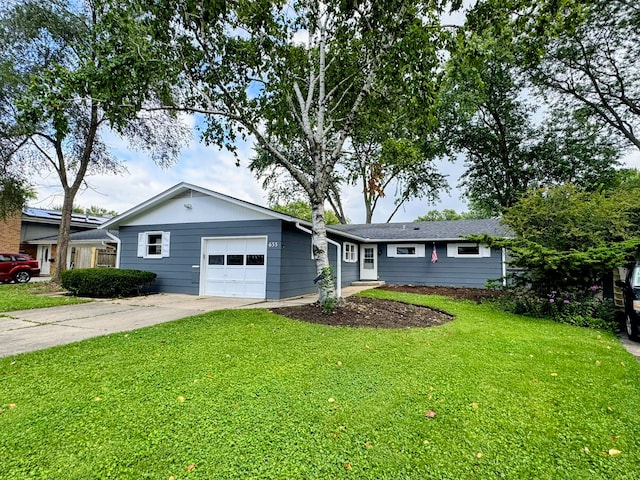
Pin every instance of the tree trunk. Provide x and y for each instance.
(63, 236)
(326, 289)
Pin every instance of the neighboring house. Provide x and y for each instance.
(88, 248)
(205, 243)
(35, 232)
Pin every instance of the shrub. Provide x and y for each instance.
(584, 309)
(106, 282)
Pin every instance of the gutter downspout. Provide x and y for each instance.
(118, 248)
(338, 259)
(504, 267)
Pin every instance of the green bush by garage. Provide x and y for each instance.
(106, 282)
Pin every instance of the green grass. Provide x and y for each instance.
(32, 295)
(248, 394)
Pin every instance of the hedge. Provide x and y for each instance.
(106, 282)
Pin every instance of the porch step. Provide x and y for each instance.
(367, 283)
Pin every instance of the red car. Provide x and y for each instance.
(17, 267)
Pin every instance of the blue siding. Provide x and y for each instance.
(176, 274)
(454, 272)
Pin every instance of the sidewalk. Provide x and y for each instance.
(29, 330)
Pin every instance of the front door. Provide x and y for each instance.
(368, 262)
(43, 259)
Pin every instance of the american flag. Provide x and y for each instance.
(434, 255)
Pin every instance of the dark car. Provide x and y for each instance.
(631, 290)
(18, 267)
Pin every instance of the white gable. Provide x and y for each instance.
(194, 207)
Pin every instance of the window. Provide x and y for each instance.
(468, 250)
(350, 254)
(405, 250)
(216, 260)
(235, 259)
(153, 244)
(255, 260)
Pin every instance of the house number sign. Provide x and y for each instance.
(274, 244)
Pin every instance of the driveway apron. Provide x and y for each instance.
(29, 330)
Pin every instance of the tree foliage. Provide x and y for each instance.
(449, 214)
(65, 82)
(595, 67)
(14, 194)
(567, 239)
(301, 209)
(510, 146)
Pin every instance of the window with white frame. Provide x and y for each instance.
(350, 252)
(468, 250)
(405, 250)
(154, 244)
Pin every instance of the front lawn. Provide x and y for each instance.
(33, 295)
(248, 394)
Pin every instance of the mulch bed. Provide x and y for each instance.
(370, 312)
(473, 294)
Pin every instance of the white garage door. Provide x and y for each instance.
(235, 267)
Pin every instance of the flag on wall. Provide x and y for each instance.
(434, 255)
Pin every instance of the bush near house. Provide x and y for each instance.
(106, 282)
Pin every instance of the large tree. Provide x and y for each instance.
(66, 81)
(596, 66)
(568, 239)
(297, 73)
(511, 146)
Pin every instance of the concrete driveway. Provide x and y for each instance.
(29, 330)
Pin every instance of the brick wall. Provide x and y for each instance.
(10, 234)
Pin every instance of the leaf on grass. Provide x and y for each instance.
(339, 363)
(614, 453)
(331, 400)
(172, 477)
(479, 455)
(622, 363)
(367, 445)
(597, 363)
(191, 467)
(475, 405)
(429, 414)
(181, 399)
(347, 466)
(554, 374)
(12, 406)
(96, 399)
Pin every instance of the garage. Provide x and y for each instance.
(234, 267)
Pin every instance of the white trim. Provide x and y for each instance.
(453, 250)
(350, 252)
(180, 188)
(143, 244)
(393, 250)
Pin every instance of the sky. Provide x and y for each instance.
(211, 168)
